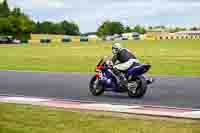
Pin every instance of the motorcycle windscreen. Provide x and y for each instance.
(100, 62)
(139, 70)
(103, 60)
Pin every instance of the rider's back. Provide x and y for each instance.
(125, 55)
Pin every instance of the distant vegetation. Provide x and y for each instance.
(109, 28)
(14, 23)
(17, 24)
(64, 27)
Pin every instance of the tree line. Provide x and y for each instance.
(14, 23)
(64, 27)
(109, 28)
(17, 24)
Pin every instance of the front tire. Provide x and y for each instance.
(95, 87)
(141, 88)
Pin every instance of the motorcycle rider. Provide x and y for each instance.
(126, 59)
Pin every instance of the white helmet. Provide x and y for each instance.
(116, 47)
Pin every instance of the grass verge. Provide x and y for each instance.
(168, 57)
(31, 119)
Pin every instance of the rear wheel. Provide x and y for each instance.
(96, 88)
(140, 89)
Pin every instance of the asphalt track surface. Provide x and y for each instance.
(166, 91)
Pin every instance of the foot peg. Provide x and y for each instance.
(150, 81)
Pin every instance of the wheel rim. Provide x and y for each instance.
(138, 86)
(95, 84)
(133, 87)
(141, 88)
(96, 87)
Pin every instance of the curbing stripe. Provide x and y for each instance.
(94, 106)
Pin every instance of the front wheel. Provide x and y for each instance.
(96, 88)
(141, 88)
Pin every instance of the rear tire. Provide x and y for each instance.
(97, 89)
(140, 90)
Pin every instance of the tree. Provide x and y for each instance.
(17, 12)
(194, 28)
(160, 27)
(110, 28)
(127, 29)
(177, 29)
(70, 28)
(14, 22)
(21, 26)
(36, 28)
(64, 27)
(58, 29)
(139, 29)
(5, 26)
(4, 9)
(150, 27)
(46, 27)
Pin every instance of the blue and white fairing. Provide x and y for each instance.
(109, 80)
(138, 70)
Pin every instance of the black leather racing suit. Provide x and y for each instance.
(126, 60)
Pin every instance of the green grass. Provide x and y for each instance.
(168, 57)
(28, 119)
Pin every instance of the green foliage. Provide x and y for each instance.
(36, 27)
(5, 26)
(139, 29)
(19, 25)
(46, 27)
(4, 9)
(64, 27)
(194, 28)
(127, 29)
(177, 29)
(17, 12)
(70, 28)
(110, 28)
(14, 22)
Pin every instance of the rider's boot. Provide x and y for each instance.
(122, 81)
